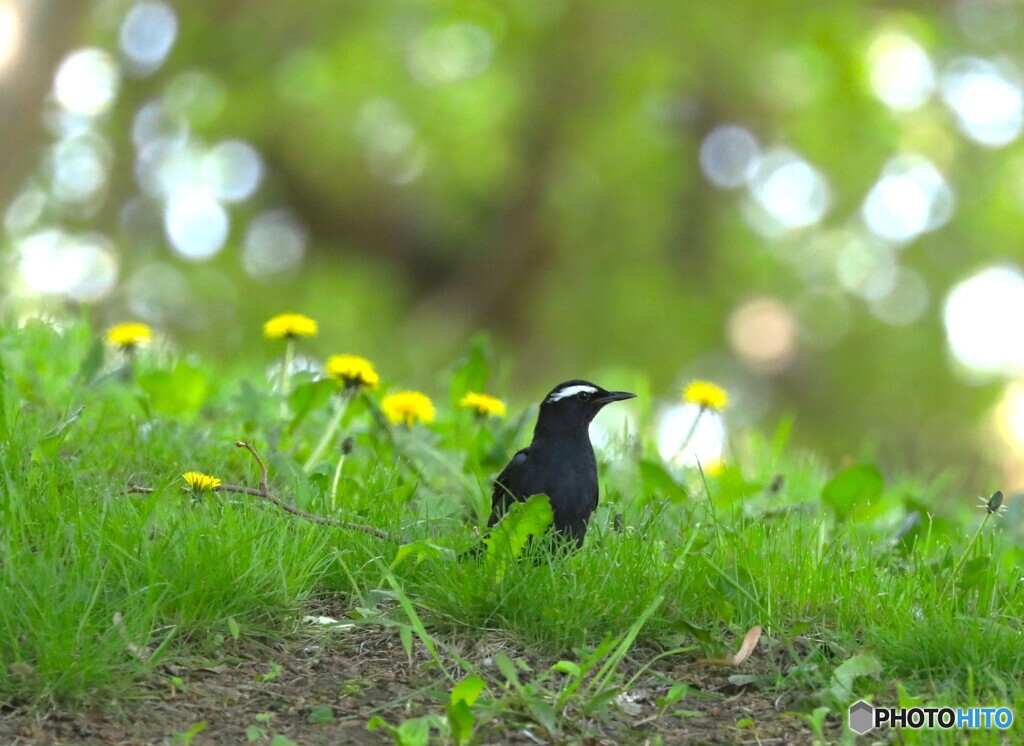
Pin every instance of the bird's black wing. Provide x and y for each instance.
(510, 486)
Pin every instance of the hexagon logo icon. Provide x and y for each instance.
(862, 717)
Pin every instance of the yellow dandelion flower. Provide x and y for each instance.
(408, 407)
(289, 325)
(200, 482)
(708, 395)
(483, 405)
(352, 371)
(129, 336)
(714, 468)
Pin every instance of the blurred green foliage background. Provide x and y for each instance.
(816, 204)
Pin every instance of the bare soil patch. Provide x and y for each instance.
(359, 673)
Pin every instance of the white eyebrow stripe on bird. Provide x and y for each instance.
(571, 391)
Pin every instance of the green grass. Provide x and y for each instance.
(673, 561)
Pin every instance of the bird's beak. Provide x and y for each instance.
(614, 396)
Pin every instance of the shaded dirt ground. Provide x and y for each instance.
(359, 673)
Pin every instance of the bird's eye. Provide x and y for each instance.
(583, 396)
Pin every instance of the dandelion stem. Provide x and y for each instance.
(286, 374)
(692, 430)
(329, 432)
(335, 480)
(967, 553)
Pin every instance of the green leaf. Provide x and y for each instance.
(308, 396)
(972, 572)
(472, 370)
(49, 445)
(234, 628)
(377, 722)
(421, 550)
(461, 721)
(187, 737)
(508, 539)
(507, 668)
(92, 363)
(543, 713)
(468, 690)
(568, 667)
(320, 715)
(414, 732)
(178, 391)
(673, 695)
(405, 633)
(847, 673)
(253, 733)
(657, 481)
(853, 490)
(279, 740)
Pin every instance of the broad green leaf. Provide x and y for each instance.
(421, 550)
(414, 732)
(92, 363)
(309, 396)
(543, 713)
(461, 721)
(507, 668)
(852, 491)
(567, 667)
(178, 391)
(972, 572)
(49, 445)
(468, 690)
(472, 370)
(657, 481)
(847, 673)
(508, 539)
(320, 715)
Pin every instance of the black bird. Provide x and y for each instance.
(559, 462)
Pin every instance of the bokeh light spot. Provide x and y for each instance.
(86, 82)
(790, 191)
(448, 54)
(233, 170)
(147, 35)
(82, 268)
(159, 293)
(25, 211)
(911, 197)
(728, 156)
(79, 169)
(152, 122)
(196, 224)
(393, 150)
(905, 302)
(10, 34)
(41, 262)
(900, 71)
(1009, 415)
(763, 333)
(983, 321)
(274, 243)
(866, 266)
(986, 98)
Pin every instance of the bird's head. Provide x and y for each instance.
(573, 404)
